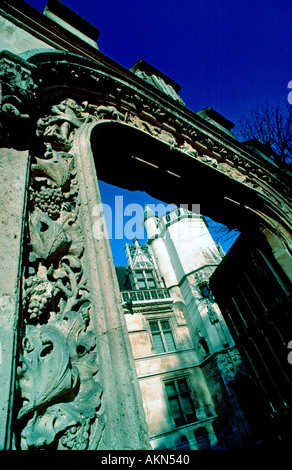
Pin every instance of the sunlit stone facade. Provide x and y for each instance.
(184, 355)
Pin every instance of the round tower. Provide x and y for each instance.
(150, 222)
(156, 241)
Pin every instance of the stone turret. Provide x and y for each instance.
(155, 232)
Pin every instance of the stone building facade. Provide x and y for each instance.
(184, 354)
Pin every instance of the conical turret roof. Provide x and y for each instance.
(148, 212)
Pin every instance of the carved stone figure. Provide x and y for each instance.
(189, 149)
(160, 84)
(210, 160)
(13, 122)
(103, 112)
(230, 365)
(58, 127)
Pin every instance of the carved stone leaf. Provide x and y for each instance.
(59, 393)
(56, 169)
(72, 261)
(46, 372)
(56, 387)
(48, 239)
(73, 229)
(42, 429)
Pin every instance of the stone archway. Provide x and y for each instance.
(83, 119)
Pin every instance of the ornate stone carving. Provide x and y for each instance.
(102, 112)
(16, 76)
(137, 107)
(189, 149)
(59, 394)
(58, 128)
(18, 92)
(15, 125)
(58, 391)
(159, 83)
(230, 365)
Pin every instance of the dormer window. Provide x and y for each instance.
(145, 279)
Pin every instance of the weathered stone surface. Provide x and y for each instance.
(126, 426)
(13, 177)
(14, 39)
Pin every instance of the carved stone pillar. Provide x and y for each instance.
(127, 428)
(77, 383)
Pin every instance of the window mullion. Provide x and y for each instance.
(182, 408)
(180, 401)
(145, 278)
(162, 336)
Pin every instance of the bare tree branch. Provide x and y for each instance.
(269, 124)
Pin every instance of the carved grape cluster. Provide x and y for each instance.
(36, 305)
(38, 295)
(77, 437)
(49, 200)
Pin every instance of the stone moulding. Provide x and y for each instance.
(188, 131)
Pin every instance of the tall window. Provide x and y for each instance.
(180, 401)
(162, 336)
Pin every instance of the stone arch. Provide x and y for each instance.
(256, 186)
(83, 119)
(248, 189)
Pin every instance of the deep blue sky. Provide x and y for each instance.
(231, 55)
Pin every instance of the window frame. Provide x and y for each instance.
(178, 394)
(142, 275)
(205, 285)
(161, 332)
